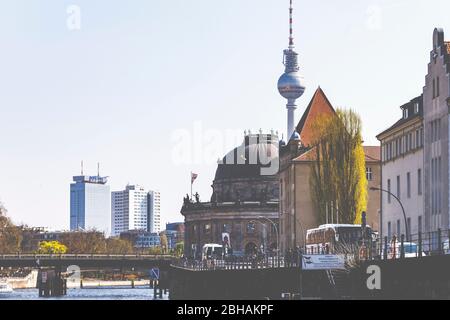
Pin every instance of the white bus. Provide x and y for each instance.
(335, 238)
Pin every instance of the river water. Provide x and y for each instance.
(111, 293)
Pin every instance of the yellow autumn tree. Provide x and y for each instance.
(51, 247)
(338, 180)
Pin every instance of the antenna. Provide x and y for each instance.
(82, 168)
(291, 36)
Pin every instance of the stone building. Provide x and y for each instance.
(402, 171)
(424, 127)
(297, 213)
(244, 201)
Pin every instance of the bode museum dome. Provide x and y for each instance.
(243, 211)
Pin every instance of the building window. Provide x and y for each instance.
(437, 87)
(369, 174)
(389, 189)
(434, 88)
(421, 137)
(251, 227)
(419, 182)
(405, 113)
(226, 228)
(417, 143)
(408, 184)
(207, 228)
(398, 187)
(416, 107)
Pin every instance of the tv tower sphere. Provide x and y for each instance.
(291, 84)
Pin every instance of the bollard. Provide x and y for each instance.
(132, 284)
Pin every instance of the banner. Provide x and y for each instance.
(323, 262)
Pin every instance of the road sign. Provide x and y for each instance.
(154, 274)
(323, 262)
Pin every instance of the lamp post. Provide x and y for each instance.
(302, 230)
(401, 205)
(278, 235)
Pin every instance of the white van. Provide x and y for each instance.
(212, 251)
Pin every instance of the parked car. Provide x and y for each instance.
(411, 250)
(446, 247)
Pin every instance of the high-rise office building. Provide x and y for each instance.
(135, 209)
(90, 199)
(154, 213)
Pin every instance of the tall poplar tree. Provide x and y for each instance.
(338, 180)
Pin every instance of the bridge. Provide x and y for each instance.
(61, 261)
(51, 280)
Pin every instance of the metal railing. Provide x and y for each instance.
(20, 256)
(412, 246)
(233, 263)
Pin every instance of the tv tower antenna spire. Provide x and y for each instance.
(291, 32)
(291, 84)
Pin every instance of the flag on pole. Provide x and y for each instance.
(193, 177)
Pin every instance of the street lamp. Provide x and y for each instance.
(278, 235)
(297, 220)
(401, 205)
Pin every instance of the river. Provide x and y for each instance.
(110, 293)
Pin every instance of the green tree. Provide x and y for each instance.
(51, 247)
(179, 249)
(338, 180)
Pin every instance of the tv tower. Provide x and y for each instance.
(291, 84)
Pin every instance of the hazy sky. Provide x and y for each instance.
(153, 89)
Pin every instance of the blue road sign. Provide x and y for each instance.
(154, 274)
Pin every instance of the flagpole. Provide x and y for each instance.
(191, 185)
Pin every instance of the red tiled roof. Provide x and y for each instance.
(319, 105)
(308, 156)
(372, 153)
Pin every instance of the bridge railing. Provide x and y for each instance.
(83, 256)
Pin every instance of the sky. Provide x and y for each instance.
(155, 89)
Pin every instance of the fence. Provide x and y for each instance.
(414, 246)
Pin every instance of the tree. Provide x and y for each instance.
(154, 250)
(179, 249)
(338, 180)
(118, 246)
(92, 242)
(164, 242)
(10, 235)
(51, 247)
